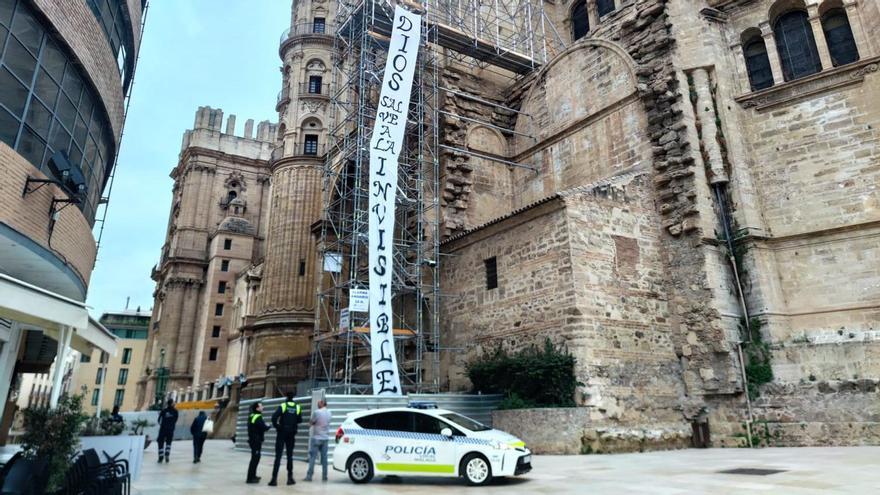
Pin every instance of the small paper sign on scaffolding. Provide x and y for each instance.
(359, 300)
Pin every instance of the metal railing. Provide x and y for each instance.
(306, 28)
(308, 89)
(308, 148)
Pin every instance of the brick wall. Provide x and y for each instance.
(71, 240)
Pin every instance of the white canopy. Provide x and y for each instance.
(50, 312)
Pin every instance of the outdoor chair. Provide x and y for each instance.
(24, 476)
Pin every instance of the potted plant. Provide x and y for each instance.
(52, 435)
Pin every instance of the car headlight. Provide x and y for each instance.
(502, 446)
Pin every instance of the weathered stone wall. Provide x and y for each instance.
(583, 268)
(535, 293)
(570, 430)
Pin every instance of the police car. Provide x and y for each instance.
(425, 441)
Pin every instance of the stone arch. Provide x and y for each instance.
(781, 7)
(584, 121)
(311, 122)
(315, 64)
(486, 139)
(536, 93)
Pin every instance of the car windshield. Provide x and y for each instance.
(466, 423)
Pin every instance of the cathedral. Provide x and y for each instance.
(682, 193)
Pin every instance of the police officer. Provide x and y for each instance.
(256, 432)
(167, 421)
(286, 419)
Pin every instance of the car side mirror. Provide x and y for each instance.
(446, 432)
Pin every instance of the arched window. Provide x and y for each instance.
(230, 196)
(580, 21)
(839, 37)
(604, 7)
(757, 63)
(796, 45)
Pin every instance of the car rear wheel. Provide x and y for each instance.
(476, 470)
(360, 468)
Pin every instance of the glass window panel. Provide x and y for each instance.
(604, 7)
(758, 65)
(19, 60)
(66, 111)
(86, 105)
(31, 147)
(106, 10)
(72, 83)
(3, 32)
(46, 88)
(80, 131)
(796, 45)
(53, 61)
(6, 8)
(580, 21)
(13, 94)
(8, 127)
(91, 150)
(59, 139)
(838, 34)
(75, 155)
(39, 118)
(27, 30)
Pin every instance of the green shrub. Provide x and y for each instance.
(532, 377)
(53, 434)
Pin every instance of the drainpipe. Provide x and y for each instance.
(718, 179)
(723, 213)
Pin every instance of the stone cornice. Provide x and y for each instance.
(194, 151)
(297, 161)
(799, 89)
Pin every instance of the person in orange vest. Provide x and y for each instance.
(256, 433)
(286, 421)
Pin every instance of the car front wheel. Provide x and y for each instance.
(360, 468)
(476, 470)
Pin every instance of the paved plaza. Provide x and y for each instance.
(806, 470)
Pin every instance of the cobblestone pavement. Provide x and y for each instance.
(806, 470)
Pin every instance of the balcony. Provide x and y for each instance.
(299, 149)
(283, 98)
(313, 90)
(316, 30)
(308, 148)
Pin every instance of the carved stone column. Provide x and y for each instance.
(819, 35)
(772, 52)
(855, 23)
(742, 71)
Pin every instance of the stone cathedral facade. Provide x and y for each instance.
(705, 198)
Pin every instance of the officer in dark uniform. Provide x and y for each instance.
(256, 432)
(167, 422)
(286, 420)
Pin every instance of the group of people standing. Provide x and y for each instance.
(286, 420)
(168, 421)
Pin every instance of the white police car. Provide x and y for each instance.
(425, 442)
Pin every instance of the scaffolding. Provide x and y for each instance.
(511, 38)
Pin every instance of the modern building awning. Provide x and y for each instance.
(29, 304)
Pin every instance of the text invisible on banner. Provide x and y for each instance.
(385, 147)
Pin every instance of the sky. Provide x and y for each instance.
(219, 53)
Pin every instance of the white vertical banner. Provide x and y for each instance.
(385, 147)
